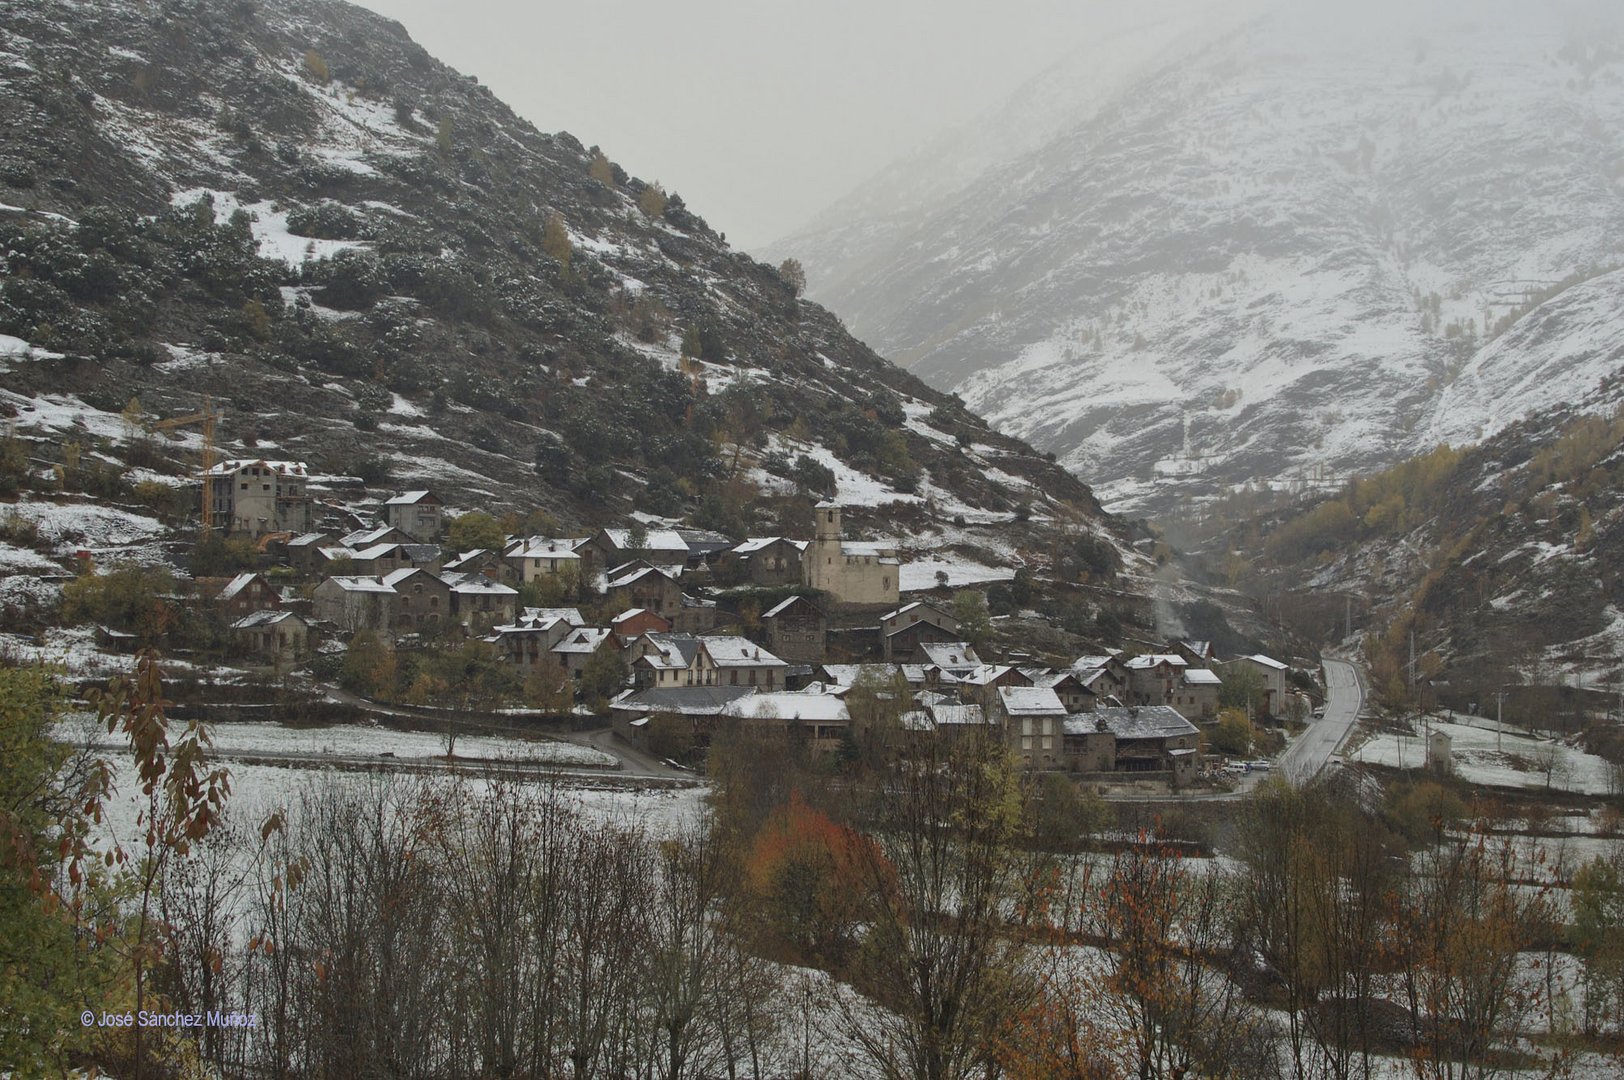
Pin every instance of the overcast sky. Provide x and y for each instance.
(758, 112)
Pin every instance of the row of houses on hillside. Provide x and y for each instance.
(1032, 721)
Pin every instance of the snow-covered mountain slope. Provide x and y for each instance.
(1276, 254)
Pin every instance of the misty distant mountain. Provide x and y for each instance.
(1305, 246)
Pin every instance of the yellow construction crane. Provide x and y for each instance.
(205, 419)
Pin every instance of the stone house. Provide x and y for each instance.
(527, 643)
(861, 574)
(422, 601)
(633, 623)
(1197, 693)
(276, 637)
(1274, 681)
(241, 595)
(537, 556)
(664, 660)
(644, 587)
(1088, 746)
(255, 497)
(355, 603)
(479, 603)
(304, 552)
(1152, 678)
(770, 561)
(1033, 720)
(1154, 738)
(580, 645)
(905, 629)
(797, 630)
(737, 661)
(1106, 674)
(418, 514)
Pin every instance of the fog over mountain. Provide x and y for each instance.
(1290, 244)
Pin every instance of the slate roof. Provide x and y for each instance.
(362, 584)
(1030, 701)
(1141, 663)
(410, 498)
(236, 585)
(681, 700)
(263, 618)
(790, 706)
(780, 607)
(230, 466)
(739, 652)
(654, 540)
(1202, 677)
(949, 655)
(583, 639)
(1144, 722)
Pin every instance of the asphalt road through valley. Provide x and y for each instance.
(1313, 748)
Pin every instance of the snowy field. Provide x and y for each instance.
(253, 738)
(1503, 758)
(921, 574)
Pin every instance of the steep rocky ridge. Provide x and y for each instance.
(1306, 247)
(371, 264)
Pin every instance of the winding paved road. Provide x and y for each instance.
(1345, 697)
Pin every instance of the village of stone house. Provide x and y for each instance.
(359, 626)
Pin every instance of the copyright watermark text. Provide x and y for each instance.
(146, 1018)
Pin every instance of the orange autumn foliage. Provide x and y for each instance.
(809, 876)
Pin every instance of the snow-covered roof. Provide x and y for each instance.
(410, 498)
(1202, 677)
(1142, 663)
(236, 585)
(366, 537)
(756, 543)
(464, 558)
(1144, 722)
(951, 654)
(824, 708)
(956, 715)
(620, 581)
(307, 539)
(375, 551)
(568, 614)
(681, 700)
(653, 540)
(670, 651)
(728, 651)
(879, 549)
(395, 577)
(362, 583)
(479, 584)
(1265, 661)
(584, 639)
(985, 675)
(1091, 663)
(780, 607)
(537, 547)
(1030, 701)
(232, 466)
(263, 618)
